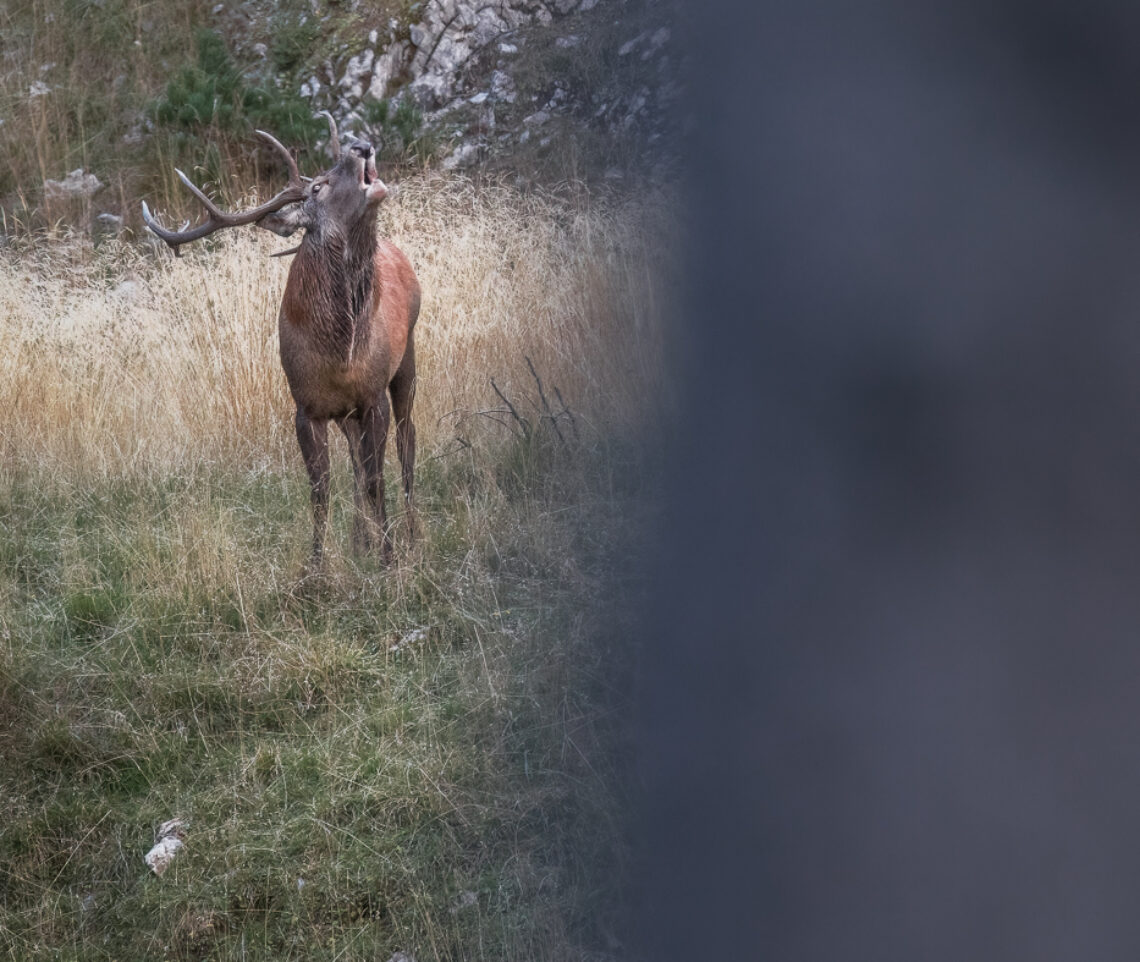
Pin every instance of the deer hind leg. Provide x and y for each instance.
(403, 389)
(312, 435)
(373, 438)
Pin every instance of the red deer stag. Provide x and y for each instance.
(345, 325)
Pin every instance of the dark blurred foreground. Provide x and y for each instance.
(891, 697)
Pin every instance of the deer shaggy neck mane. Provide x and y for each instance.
(331, 287)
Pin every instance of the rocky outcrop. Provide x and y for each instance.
(76, 185)
(487, 78)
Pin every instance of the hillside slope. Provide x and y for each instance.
(115, 93)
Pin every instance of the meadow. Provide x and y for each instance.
(431, 758)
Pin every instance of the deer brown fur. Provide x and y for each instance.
(346, 328)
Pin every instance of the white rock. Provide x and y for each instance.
(487, 26)
(503, 87)
(479, 97)
(106, 226)
(356, 71)
(508, 48)
(387, 67)
(158, 859)
(176, 826)
(75, 184)
(168, 844)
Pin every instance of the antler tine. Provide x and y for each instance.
(294, 173)
(216, 218)
(177, 238)
(334, 137)
(200, 194)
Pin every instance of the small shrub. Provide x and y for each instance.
(212, 95)
(206, 93)
(294, 35)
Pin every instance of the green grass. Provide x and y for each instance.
(427, 758)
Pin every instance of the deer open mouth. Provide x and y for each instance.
(370, 182)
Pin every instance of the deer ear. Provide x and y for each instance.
(286, 221)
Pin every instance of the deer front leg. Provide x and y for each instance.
(363, 524)
(374, 436)
(313, 436)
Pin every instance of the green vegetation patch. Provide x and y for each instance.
(210, 99)
(427, 758)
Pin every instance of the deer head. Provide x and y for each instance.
(335, 205)
(337, 201)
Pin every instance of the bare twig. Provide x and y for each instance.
(545, 404)
(523, 423)
(570, 414)
(461, 445)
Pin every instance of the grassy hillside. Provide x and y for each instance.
(428, 758)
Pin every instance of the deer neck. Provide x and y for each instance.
(337, 280)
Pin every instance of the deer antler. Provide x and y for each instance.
(216, 219)
(334, 137)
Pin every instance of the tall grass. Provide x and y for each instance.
(118, 359)
(427, 758)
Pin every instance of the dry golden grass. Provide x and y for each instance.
(121, 360)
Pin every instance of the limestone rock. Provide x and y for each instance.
(77, 184)
(168, 842)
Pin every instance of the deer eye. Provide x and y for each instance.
(317, 188)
